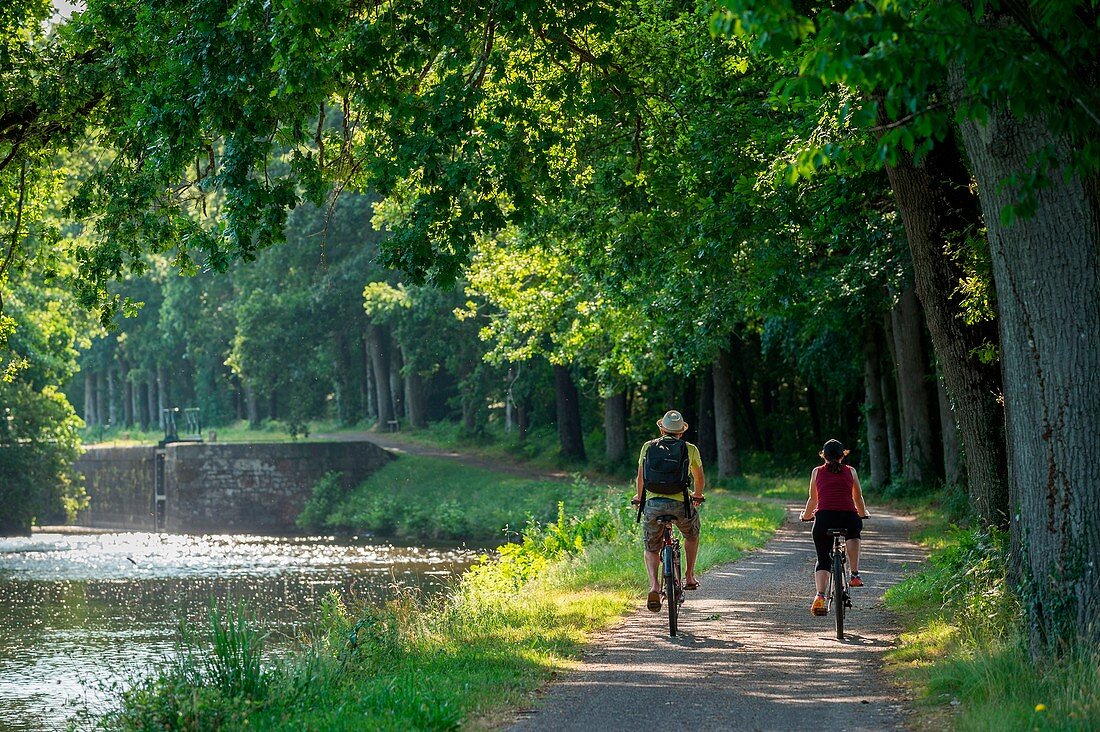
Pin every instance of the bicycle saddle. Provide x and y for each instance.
(838, 532)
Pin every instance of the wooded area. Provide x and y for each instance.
(878, 222)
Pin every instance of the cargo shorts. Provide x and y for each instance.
(655, 507)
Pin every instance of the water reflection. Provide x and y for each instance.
(82, 614)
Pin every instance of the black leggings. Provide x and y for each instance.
(825, 520)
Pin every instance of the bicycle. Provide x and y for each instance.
(672, 569)
(838, 578)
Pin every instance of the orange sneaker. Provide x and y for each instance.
(818, 608)
(855, 581)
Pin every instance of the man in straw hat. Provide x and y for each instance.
(667, 467)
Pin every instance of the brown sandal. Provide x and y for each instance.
(691, 585)
(654, 602)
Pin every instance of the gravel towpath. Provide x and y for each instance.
(749, 656)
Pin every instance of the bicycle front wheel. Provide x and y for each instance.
(838, 594)
(669, 561)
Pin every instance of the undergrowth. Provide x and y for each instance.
(965, 648)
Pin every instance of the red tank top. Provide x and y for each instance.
(834, 490)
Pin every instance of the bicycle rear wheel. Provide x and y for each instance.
(671, 600)
(838, 594)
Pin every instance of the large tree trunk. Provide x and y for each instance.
(722, 369)
(878, 450)
(614, 425)
(568, 414)
(952, 445)
(127, 393)
(112, 397)
(150, 403)
(938, 209)
(916, 420)
(1047, 273)
(708, 445)
(378, 343)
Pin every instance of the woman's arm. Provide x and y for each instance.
(811, 502)
(857, 493)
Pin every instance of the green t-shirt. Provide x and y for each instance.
(694, 461)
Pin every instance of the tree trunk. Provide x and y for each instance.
(273, 404)
(728, 464)
(397, 381)
(614, 426)
(414, 398)
(101, 400)
(127, 394)
(878, 450)
(568, 414)
(378, 341)
(1048, 293)
(916, 421)
(938, 209)
(253, 407)
(112, 397)
(90, 417)
(708, 445)
(952, 446)
(815, 415)
(150, 403)
(162, 395)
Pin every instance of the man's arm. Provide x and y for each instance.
(698, 480)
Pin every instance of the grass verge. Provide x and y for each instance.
(964, 651)
(463, 659)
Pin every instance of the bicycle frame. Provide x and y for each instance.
(838, 597)
(671, 571)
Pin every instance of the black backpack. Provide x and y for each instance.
(665, 467)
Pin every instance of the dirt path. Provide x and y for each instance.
(749, 655)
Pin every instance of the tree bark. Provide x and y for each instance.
(952, 446)
(708, 445)
(1048, 293)
(127, 393)
(722, 369)
(378, 344)
(568, 414)
(916, 421)
(112, 397)
(938, 209)
(878, 450)
(414, 397)
(101, 400)
(150, 402)
(614, 426)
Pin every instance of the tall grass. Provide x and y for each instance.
(469, 656)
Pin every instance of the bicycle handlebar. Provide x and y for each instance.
(808, 520)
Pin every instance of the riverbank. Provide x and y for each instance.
(470, 657)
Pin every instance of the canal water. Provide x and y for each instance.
(83, 615)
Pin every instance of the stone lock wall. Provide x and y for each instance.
(119, 481)
(218, 488)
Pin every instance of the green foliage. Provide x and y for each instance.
(965, 645)
(323, 499)
(434, 498)
(39, 440)
(214, 681)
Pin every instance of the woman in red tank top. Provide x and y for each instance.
(835, 502)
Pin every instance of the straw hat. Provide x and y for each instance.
(673, 422)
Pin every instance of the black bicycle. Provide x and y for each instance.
(838, 598)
